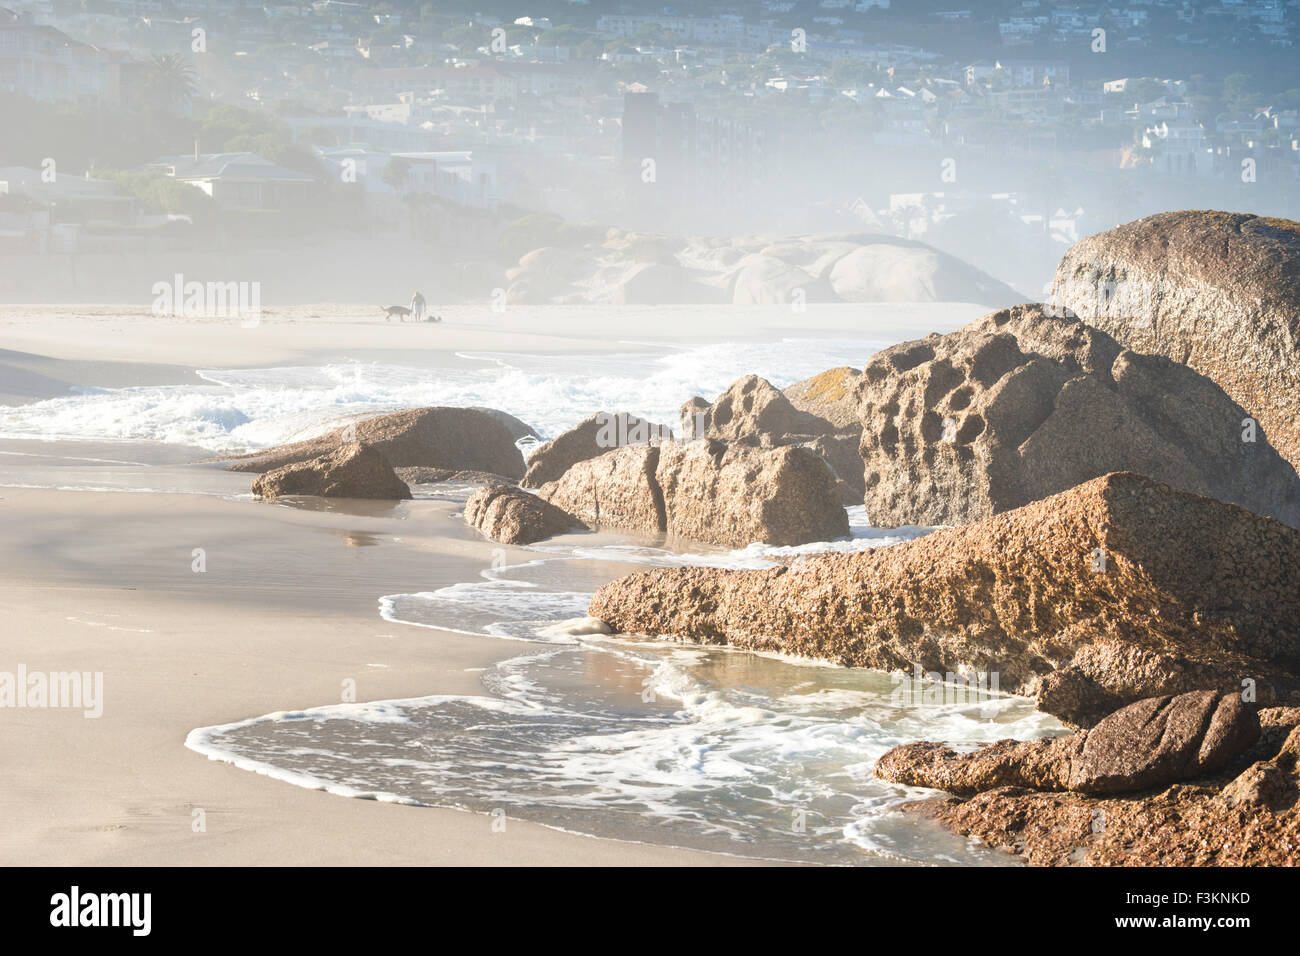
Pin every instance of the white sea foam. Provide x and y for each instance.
(699, 747)
(618, 736)
(237, 409)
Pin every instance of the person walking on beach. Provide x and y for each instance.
(417, 306)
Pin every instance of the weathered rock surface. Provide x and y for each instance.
(710, 490)
(514, 516)
(1021, 405)
(517, 428)
(1189, 594)
(1149, 743)
(594, 436)
(617, 489)
(1217, 291)
(751, 406)
(353, 471)
(1243, 814)
(731, 494)
(459, 439)
(752, 411)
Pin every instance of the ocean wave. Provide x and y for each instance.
(244, 409)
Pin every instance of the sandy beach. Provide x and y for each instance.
(283, 615)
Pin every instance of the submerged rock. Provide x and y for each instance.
(1119, 589)
(353, 471)
(513, 516)
(594, 436)
(1149, 743)
(1020, 405)
(712, 491)
(459, 439)
(1218, 291)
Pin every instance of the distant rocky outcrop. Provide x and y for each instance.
(766, 280)
(1217, 291)
(641, 269)
(1149, 743)
(886, 269)
(513, 516)
(594, 436)
(754, 412)
(1119, 589)
(352, 471)
(710, 490)
(459, 439)
(1020, 405)
(1239, 809)
(654, 283)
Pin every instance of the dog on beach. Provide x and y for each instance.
(400, 311)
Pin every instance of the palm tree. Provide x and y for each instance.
(169, 83)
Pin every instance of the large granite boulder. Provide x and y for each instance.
(1020, 405)
(1119, 589)
(753, 411)
(1149, 743)
(592, 437)
(353, 471)
(713, 491)
(513, 516)
(1218, 291)
(459, 439)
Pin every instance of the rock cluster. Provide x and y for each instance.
(754, 412)
(709, 490)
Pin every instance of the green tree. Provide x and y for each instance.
(169, 83)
